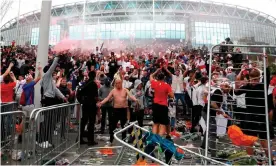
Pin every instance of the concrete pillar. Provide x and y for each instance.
(43, 44)
(189, 31)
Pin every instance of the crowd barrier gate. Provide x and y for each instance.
(8, 107)
(50, 133)
(191, 156)
(215, 144)
(12, 137)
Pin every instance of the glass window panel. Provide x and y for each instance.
(137, 26)
(143, 34)
(182, 35)
(107, 27)
(177, 27)
(127, 26)
(113, 35)
(172, 26)
(137, 34)
(148, 26)
(143, 26)
(107, 34)
(148, 34)
(112, 26)
(182, 27)
(177, 35)
(168, 26)
(132, 26)
(168, 34)
(158, 26)
(172, 34)
(123, 27)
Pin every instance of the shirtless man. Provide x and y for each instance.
(120, 106)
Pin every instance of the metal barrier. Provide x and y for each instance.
(12, 137)
(50, 133)
(30, 129)
(252, 116)
(9, 107)
(157, 155)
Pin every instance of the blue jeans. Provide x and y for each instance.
(181, 97)
(172, 122)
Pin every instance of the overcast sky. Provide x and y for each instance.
(266, 6)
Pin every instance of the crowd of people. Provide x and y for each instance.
(127, 84)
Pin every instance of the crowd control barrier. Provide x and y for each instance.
(240, 114)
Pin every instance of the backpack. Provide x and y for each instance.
(80, 95)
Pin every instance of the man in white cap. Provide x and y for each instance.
(126, 83)
(230, 75)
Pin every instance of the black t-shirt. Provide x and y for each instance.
(64, 90)
(254, 98)
(112, 67)
(91, 92)
(218, 98)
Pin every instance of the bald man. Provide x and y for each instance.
(120, 106)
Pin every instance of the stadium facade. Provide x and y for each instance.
(197, 22)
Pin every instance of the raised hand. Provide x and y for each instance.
(11, 64)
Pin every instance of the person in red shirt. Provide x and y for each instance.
(162, 91)
(7, 88)
(133, 62)
(13, 43)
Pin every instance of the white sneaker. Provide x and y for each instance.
(48, 144)
(105, 138)
(43, 145)
(150, 123)
(98, 137)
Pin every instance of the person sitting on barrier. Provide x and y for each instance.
(255, 124)
(120, 106)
